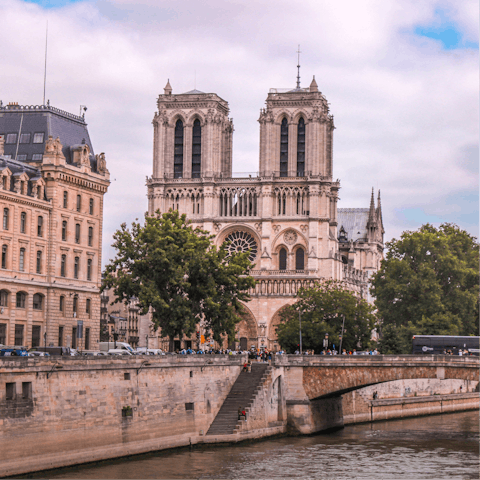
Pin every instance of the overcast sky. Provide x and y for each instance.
(401, 78)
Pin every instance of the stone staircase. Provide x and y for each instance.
(242, 394)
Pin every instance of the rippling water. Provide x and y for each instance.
(437, 447)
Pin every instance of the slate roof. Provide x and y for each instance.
(71, 129)
(354, 222)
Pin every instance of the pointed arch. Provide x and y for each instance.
(178, 149)
(196, 148)
(301, 147)
(284, 147)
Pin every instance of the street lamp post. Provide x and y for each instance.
(300, 326)
(341, 336)
(146, 338)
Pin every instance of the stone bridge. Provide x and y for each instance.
(314, 385)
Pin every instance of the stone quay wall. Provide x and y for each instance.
(62, 411)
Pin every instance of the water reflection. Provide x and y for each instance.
(437, 447)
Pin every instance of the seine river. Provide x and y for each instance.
(437, 447)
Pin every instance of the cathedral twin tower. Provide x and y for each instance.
(286, 217)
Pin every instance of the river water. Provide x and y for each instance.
(436, 447)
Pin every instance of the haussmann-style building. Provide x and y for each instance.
(51, 207)
(286, 215)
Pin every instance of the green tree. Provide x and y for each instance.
(174, 270)
(428, 284)
(322, 308)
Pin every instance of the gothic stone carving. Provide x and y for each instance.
(290, 237)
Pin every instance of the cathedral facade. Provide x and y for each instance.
(286, 216)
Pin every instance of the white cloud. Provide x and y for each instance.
(406, 111)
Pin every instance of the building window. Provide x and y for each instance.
(87, 338)
(65, 199)
(178, 150)
(89, 269)
(74, 337)
(300, 259)
(3, 300)
(91, 206)
(38, 301)
(77, 233)
(39, 261)
(40, 226)
(76, 267)
(25, 138)
(3, 333)
(11, 138)
(22, 157)
(21, 260)
(36, 336)
(62, 304)
(23, 222)
(282, 264)
(63, 265)
(79, 203)
(21, 297)
(60, 336)
(196, 149)
(4, 256)
(38, 137)
(75, 305)
(18, 334)
(88, 306)
(284, 148)
(90, 236)
(64, 230)
(6, 213)
(301, 148)
(37, 157)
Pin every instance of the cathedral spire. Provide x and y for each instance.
(379, 214)
(168, 88)
(298, 67)
(371, 213)
(313, 85)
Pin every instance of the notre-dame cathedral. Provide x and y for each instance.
(286, 216)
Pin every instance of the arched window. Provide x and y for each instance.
(21, 260)
(284, 148)
(79, 203)
(40, 226)
(38, 301)
(21, 297)
(4, 256)
(65, 199)
(64, 230)
(63, 265)
(77, 233)
(90, 236)
(76, 267)
(300, 259)
(39, 261)
(3, 298)
(89, 269)
(5, 218)
(178, 150)
(301, 148)
(196, 149)
(23, 222)
(91, 206)
(62, 304)
(282, 259)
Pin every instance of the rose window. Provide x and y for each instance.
(240, 242)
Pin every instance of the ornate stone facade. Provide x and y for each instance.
(51, 205)
(286, 216)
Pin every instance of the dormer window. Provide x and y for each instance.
(38, 137)
(25, 138)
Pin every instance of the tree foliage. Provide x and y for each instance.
(175, 270)
(322, 308)
(428, 284)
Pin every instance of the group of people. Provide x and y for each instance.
(460, 352)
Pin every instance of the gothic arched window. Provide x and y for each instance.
(178, 150)
(300, 259)
(284, 148)
(301, 148)
(196, 149)
(282, 260)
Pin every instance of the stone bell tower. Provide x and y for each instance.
(192, 135)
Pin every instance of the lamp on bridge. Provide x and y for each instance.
(325, 343)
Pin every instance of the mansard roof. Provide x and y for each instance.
(18, 169)
(17, 119)
(354, 222)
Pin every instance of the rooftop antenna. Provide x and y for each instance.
(298, 67)
(45, 70)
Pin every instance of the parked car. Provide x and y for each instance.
(52, 350)
(93, 353)
(14, 351)
(37, 353)
(118, 351)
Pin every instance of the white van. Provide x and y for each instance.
(118, 351)
(107, 346)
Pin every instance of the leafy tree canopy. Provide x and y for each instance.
(428, 284)
(322, 308)
(175, 270)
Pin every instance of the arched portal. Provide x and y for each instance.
(272, 329)
(246, 330)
